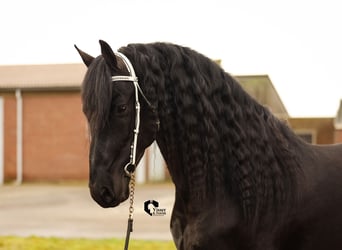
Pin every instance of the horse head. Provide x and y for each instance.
(119, 132)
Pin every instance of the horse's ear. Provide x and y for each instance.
(108, 55)
(87, 59)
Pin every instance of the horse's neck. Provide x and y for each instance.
(210, 159)
(215, 137)
(188, 141)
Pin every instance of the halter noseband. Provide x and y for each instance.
(131, 165)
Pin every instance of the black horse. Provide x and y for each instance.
(243, 179)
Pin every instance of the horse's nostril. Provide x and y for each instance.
(106, 195)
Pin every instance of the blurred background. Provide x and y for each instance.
(286, 54)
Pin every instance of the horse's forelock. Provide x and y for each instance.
(97, 94)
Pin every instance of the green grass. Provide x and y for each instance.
(41, 243)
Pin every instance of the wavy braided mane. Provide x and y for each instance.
(216, 139)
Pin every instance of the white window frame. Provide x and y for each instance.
(312, 132)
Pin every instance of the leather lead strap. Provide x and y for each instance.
(129, 230)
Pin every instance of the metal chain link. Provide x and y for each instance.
(131, 196)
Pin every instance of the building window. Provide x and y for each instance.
(308, 136)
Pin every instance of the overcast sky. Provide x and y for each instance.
(298, 43)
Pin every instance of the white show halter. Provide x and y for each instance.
(131, 165)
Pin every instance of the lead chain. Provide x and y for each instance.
(131, 196)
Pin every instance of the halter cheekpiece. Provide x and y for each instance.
(131, 165)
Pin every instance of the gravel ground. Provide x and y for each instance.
(68, 211)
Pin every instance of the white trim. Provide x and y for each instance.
(2, 139)
(140, 176)
(156, 168)
(338, 125)
(19, 136)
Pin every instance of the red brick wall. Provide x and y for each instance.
(54, 137)
(338, 136)
(9, 136)
(55, 144)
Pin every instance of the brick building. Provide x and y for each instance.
(316, 130)
(43, 132)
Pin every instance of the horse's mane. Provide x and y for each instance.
(220, 141)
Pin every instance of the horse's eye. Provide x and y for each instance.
(121, 109)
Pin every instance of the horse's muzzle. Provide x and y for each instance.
(104, 196)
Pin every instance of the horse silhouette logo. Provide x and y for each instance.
(150, 207)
